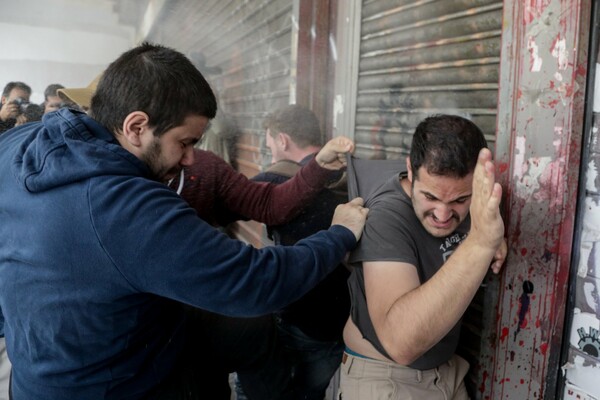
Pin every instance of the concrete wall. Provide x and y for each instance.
(58, 41)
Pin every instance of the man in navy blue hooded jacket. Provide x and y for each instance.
(97, 254)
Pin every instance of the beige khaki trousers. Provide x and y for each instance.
(369, 379)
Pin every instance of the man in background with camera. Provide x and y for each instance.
(15, 99)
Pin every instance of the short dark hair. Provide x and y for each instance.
(18, 85)
(446, 145)
(51, 90)
(297, 121)
(157, 80)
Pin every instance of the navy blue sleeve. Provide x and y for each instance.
(187, 260)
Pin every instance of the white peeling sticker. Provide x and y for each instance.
(590, 293)
(559, 51)
(591, 221)
(529, 184)
(590, 177)
(584, 258)
(597, 89)
(536, 60)
(519, 157)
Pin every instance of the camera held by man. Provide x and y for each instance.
(22, 103)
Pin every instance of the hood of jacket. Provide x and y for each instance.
(69, 146)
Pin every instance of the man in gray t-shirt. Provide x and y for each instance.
(431, 236)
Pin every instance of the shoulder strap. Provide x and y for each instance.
(285, 168)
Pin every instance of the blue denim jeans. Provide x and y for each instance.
(312, 362)
(218, 345)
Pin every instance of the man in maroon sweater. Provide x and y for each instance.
(221, 195)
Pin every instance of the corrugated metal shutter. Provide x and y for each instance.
(251, 44)
(419, 58)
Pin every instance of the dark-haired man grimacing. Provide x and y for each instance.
(432, 234)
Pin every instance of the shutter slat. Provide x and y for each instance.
(419, 58)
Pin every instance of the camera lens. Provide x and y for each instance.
(22, 103)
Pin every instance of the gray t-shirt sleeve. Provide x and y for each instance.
(389, 231)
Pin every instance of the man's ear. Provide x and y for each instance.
(409, 170)
(135, 126)
(283, 140)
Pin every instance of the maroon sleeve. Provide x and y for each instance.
(213, 187)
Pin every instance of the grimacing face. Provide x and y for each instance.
(441, 203)
(168, 154)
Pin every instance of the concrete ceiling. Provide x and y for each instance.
(119, 17)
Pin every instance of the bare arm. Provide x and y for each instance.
(410, 318)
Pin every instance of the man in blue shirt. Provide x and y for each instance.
(97, 254)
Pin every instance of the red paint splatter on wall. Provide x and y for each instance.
(523, 251)
(544, 348)
(533, 10)
(569, 90)
(484, 378)
(504, 334)
(523, 323)
(553, 103)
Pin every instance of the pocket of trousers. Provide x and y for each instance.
(346, 364)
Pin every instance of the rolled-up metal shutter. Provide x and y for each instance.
(425, 57)
(250, 42)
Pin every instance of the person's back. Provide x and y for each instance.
(62, 274)
(322, 312)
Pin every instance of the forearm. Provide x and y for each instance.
(419, 319)
(275, 204)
